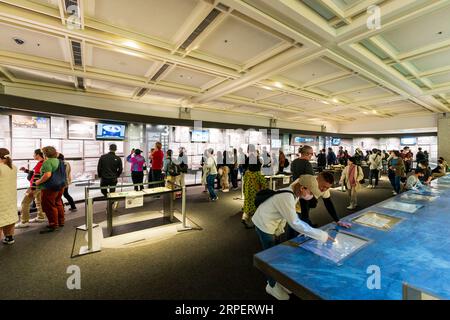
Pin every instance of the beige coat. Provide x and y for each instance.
(345, 177)
(8, 195)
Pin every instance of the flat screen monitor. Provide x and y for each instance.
(111, 131)
(335, 141)
(301, 140)
(200, 136)
(408, 141)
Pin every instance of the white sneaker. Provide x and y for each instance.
(285, 289)
(115, 205)
(394, 193)
(226, 190)
(21, 225)
(37, 220)
(277, 292)
(369, 186)
(351, 207)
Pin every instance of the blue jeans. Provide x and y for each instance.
(397, 184)
(267, 241)
(210, 183)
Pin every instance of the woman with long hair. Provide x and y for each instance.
(8, 196)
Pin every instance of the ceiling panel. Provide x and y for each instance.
(285, 99)
(188, 77)
(421, 31)
(162, 94)
(41, 76)
(440, 79)
(35, 43)
(110, 87)
(432, 61)
(367, 93)
(237, 41)
(50, 3)
(160, 19)
(344, 84)
(310, 71)
(118, 62)
(254, 93)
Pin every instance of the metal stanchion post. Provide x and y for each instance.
(90, 222)
(184, 226)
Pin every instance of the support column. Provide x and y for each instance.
(444, 136)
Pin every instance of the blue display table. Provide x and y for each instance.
(415, 251)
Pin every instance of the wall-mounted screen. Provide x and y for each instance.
(81, 130)
(200, 136)
(111, 131)
(335, 141)
(297, 140)
(30, 127)
(408, 141)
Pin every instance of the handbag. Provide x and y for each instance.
(57, 180)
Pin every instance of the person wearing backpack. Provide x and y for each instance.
(351, 176)
(276, 210)
(52, 184)
(172, 171)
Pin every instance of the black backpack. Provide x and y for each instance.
(174, 169)
(265, 194)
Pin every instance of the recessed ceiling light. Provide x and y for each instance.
(326, 102)
(335, 100)
(278, 85)
(267, 88)
(365, 112)
(18, 41)
(374, 111)
(131, 44)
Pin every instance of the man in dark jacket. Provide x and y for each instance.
(331, 157)
(109, 168)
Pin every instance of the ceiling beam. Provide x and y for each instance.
(281, 62)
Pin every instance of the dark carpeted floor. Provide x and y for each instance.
(214, 263)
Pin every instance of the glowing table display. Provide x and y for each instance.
(414, 251)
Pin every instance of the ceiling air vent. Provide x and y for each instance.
(76, 50)
(201, 27)
(80, 83)
(142, 92)
(70, 3)
(160, 72)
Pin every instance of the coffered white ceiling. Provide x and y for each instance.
(294, 60)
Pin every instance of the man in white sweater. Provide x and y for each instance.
(270, 219)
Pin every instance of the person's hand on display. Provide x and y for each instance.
(344, 224)
(330, 239)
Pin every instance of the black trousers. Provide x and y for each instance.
(374, 173)
(137, 177)
(156, 176)
(105, 182)
(69, 198)
(234, 177)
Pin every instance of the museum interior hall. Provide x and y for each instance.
(225, 150)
